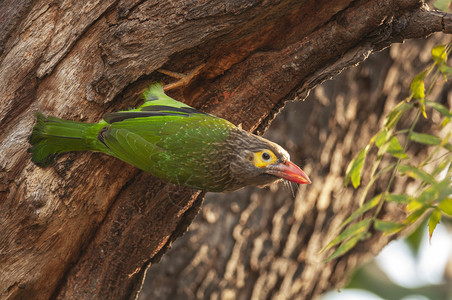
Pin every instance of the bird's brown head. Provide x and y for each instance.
(260, 162)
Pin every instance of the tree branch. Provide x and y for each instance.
(421, 23)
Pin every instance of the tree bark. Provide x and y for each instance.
(89, 226)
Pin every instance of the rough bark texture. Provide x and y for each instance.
(89, 226)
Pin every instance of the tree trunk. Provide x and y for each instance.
(89, 226)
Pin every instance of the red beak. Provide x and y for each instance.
(291, 172)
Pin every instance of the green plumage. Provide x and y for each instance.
(165, 138)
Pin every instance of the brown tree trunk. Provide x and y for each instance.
(89, 226)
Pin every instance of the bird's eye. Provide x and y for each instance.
(263, 158)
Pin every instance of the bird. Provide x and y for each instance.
(171, 141)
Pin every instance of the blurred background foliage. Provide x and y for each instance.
(432, 171)
(371, 277)
(422, 273)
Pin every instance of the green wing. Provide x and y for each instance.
(132, 148)
(157, 103)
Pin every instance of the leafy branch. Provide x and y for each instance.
(432, 199)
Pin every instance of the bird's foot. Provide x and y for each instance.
(184, 79)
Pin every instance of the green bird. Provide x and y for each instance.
(172, 141)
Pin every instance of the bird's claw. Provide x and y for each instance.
(184, 79)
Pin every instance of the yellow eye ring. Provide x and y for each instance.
(264, 158)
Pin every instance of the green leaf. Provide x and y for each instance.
(416, 205)
(366, 207)
(353, 230)
(417, 86)
(438, 191)
(414, 216)
(442, 189)
(442, 4)
(395, 149)
(442, 166)
(439, 108)
(439, 55)
(422, 107)
(448, 146)
(355, 167)
(425, 138)
(389, 144)
(398, 198)
(430, 195)
(434, 219)
(446, 206)
(445, 70)
(416, 173)
(396, 113)
(345, 247)
(381, 138)
(435, 193)
(387, 226)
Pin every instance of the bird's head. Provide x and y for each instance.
(259, 162)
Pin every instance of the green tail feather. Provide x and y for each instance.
(51, 136)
